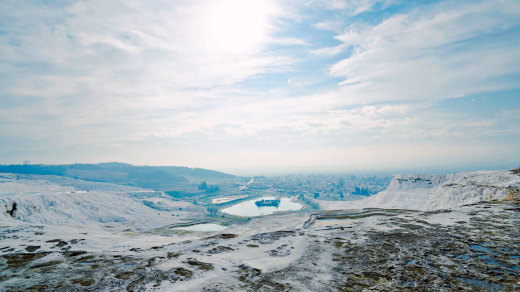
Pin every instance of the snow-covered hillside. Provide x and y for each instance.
(32, 199)
(433, 192)
(42, 201)
(87, 209)
(12, 184)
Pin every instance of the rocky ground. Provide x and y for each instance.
(469, 248)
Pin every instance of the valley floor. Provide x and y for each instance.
(468, 248)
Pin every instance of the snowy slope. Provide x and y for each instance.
(29, 183)
(83, 185)
(43, 202)
(87, 209)
(15, 184)
(433, 192)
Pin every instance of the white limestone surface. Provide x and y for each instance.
(434, 192)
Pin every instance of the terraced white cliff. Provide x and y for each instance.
(43, 202)
(31, 199)
(87, 209)
(13, 184)
(434, 192)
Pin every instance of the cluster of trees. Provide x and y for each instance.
(362, 192)
(341, 183)
(213, 189)
(212, 210)
(209, 189)
(312, 204)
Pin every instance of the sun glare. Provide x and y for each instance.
(238, 26)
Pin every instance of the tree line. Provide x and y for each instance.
(209, 188)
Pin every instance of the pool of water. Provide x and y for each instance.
(482, 284)
(481, 248)
(249, 209)
(203, 227)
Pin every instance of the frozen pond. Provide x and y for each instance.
(203, 227)
(249, 209)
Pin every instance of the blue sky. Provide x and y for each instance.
(262, 86)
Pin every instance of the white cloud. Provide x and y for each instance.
(290, 42)
(355, 7)
(329, 51)
(167, 46)
(431, 53)
(168, 77)
(128, 66)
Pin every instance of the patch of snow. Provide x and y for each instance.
(447, 219)
(9, 184)
(203, 227)
(41, 201)
(434, 192)
(87, 209)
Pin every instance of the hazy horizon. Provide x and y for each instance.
(259, 87)
(345, 171)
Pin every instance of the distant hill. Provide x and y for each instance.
(200, 173)
(152, 177)
(40, 169)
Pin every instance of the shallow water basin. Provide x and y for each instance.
(250, 209)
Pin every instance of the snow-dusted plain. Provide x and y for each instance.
(434, 192)
(116, 238)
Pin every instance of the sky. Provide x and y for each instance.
(248, 86)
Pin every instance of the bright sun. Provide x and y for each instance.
(238, 26)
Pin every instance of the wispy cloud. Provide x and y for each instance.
(121, 59)
(434, 52)
(355, 7)
(290, 42)
(232, 79)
